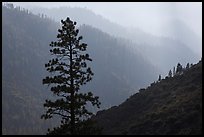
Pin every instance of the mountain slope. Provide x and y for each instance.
(25, 50)
(171, 106)
(117, 68)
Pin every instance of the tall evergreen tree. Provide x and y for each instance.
(69, 72)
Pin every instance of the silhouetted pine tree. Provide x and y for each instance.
(170, 73)
(179, 68)
(187, 66)
(174, 71)
(159, 78)
(71, 72)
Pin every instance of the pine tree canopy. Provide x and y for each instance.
(69, 71)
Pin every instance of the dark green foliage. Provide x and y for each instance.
(69, 72)
(171, 107)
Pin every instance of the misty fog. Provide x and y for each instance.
(144, 55)
(157, 18)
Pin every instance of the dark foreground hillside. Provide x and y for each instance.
(171, 106)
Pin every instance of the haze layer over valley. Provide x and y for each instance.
(157, 30)
(131, 45)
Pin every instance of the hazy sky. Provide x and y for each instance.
(149, 16)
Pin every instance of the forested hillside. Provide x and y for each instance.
(25, 50)
(172, 106)
(119, 71)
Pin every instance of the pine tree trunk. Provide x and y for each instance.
(72, 95)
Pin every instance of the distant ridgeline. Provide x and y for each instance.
(170, 106)
(179, 70)
(23, 10)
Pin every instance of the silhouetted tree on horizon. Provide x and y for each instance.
(187, 66)
(159, 78)
(174, 71)
(179, 68)
(170, 73)
(69, 72)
